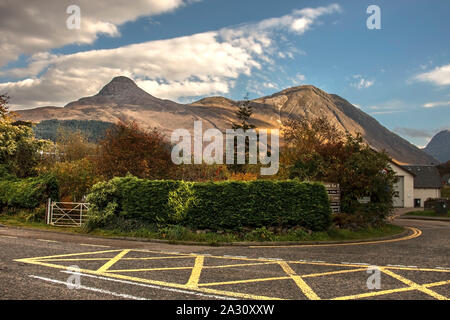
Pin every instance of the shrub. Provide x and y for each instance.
(28, 193)
(75, 178)
(222, 205)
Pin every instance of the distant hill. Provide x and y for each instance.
(93, 130)
(439, 146)
(122, 99)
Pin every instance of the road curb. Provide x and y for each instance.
(220, 244)
(424, 218)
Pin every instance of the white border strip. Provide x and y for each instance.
(121, 295)
(150, 286)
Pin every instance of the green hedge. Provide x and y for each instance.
(212, 205)
(27, 193)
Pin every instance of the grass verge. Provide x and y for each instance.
(178, 233)
(427, 213)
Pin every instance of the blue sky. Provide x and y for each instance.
(185, 50)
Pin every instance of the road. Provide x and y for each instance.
(46, 265)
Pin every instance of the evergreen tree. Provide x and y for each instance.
(244, 112)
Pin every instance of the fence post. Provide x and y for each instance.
(47, 215)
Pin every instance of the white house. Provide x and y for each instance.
(416, 184)
(404, 187)
(427, 183)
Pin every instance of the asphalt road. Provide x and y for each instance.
(43, 265)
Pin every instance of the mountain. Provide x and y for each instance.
(122, 99)
(439, 146)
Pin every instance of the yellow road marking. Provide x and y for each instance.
(193, 283)
(383, 292)
(239, 265)
(416, 233)
(155, 282)
(72, 254)
(186, 268)
(150, 269)
(299, 281)
(242, 281)
(414, 285)
(76, 259)
(196, 271)
(331, 272)
(111, 262)
(276, 278)
(256, 261)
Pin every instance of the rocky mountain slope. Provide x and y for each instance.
(123, 99)
(439, 146)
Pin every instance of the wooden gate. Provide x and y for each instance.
(67, 214)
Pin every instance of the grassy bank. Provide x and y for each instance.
(427, 213)
(178, 233)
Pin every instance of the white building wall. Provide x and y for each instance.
(408, 186)
(424, 194)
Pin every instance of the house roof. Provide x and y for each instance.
(425, 176)
(401, 166)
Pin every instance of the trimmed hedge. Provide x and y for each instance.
(227, 205)
(27, 193)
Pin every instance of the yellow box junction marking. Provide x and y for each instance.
(196, 263)
(111, 262)
(196, 271)
(415, 233)
(299, 281)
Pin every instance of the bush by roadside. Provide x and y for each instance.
(28, 193)
(225, 205)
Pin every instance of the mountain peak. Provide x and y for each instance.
(116, 85)
(439, 146)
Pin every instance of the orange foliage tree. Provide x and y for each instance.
(127, 148)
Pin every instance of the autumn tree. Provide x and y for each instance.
(127, 148)
(317, 150)
(311, 146)
(19, 150)
(73, 145)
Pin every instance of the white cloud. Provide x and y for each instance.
(362, 83)
(199, 64)
(28, 27)
(439, 76)
(437, 104)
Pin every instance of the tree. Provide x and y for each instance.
(244, 112)
(73, 145)
(19, 150)
(75, 178)
(127, 148)
(317, 150)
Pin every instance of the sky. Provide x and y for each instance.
(188, 49)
